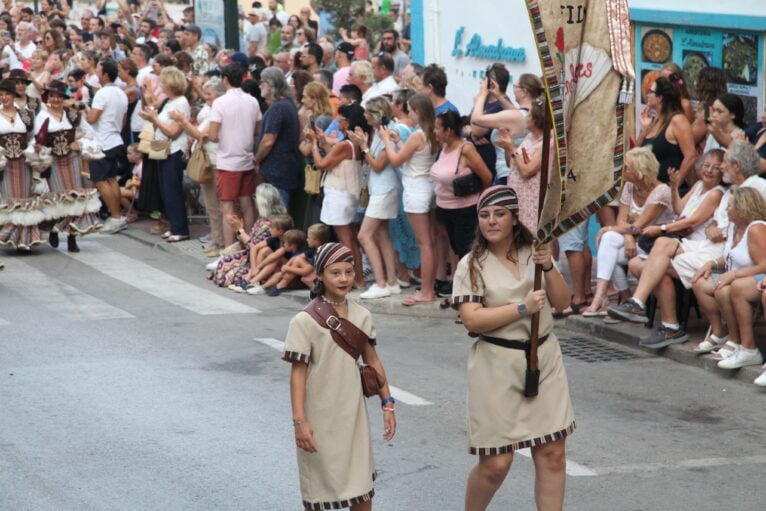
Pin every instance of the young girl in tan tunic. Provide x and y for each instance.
(332, 430)
(493, 290)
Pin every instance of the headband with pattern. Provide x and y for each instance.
(330, 253)
(499, 195)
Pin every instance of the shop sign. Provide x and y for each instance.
(476, 49)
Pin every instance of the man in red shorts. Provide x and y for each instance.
(234, 123)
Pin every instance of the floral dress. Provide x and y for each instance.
(233, 268)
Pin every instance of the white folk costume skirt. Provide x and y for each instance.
(20, 212)
(341, 473)
(73, 208)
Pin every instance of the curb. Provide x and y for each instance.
(628, 334)
(389, 306)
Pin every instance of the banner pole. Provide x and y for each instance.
(533, 372)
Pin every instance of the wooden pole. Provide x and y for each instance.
(532, 381)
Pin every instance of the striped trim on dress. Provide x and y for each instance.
(457, 301)
(294, 356)
(545, 439)
(340, 504)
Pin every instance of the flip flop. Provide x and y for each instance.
(412, 300)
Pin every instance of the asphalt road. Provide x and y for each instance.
(119, 389)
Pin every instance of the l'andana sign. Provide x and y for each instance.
(476, 49)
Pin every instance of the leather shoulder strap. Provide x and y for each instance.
(346, 335)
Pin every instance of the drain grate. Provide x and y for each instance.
(592, 351)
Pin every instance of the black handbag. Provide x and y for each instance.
(469, 184)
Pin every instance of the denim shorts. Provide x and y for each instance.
(576, 239)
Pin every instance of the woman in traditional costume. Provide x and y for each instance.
(493, 289)
(73, 208)
(21, 212)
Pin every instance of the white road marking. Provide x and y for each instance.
(574, 469)
(683, 464)
(158, 283)
(400, 395)
(55, 295)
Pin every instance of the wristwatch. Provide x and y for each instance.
(522, 308)
(664, 228)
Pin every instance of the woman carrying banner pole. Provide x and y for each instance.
(494, 290)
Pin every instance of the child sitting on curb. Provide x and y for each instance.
(293, 243)
(278, 225)
(298, 271)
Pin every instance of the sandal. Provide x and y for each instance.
(596, 308)
(159, 228)
(708, 345)
(572, 310)
(417, 300)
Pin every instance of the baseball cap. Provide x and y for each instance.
(346, 48)
(240, 58)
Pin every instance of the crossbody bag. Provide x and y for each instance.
(350, 339)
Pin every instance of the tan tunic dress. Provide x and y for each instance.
(341, 473)
(500, 418)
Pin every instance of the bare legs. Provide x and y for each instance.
(550, 477)
(373, 236)
(110, 194)
(579, 271)
(485, 479)
(743, 294)
(708, 300)
(421, 226)
(656, 267)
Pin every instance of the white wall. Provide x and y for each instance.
(506, 20)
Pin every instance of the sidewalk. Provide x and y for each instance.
(624, 333)
(629, 334)
(139, 231)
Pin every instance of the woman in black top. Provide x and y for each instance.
(667, 130)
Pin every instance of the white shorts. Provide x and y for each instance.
(383, 206)
(418, 194)
(695, 254)
(338, 207)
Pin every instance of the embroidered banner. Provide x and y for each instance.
(582, 46)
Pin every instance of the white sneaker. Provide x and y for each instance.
(236, 288)
(395, 289)
(375, 291)
(255, 289)
(113, 225)
(213, 265)
(761, 380)
(741, 358)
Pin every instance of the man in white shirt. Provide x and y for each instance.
(107, 117)
(25, 36)
(256, 32)
(382, 71)
(140, 54)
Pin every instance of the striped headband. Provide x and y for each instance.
(330, 253)
(499, 195)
